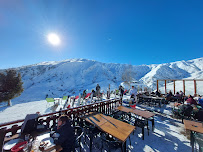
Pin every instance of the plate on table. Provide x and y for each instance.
(49, 141)
(10, 144)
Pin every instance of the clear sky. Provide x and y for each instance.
(113, 31)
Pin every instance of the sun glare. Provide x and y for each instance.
(54, 39)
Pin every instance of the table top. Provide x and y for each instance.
(144, 114)
(152, 97)
(116, 128)
(193, 126)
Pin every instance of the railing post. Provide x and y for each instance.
(184, 87)
(157, 85)
(165, 87)
(195, 88)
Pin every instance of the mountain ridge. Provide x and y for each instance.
(72, 76)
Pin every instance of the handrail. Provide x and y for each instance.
(11, 129)
(62, 111)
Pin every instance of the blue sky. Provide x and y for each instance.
(114, 31)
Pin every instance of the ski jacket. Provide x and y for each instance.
(66, 137)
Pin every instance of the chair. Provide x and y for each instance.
(50, 100)
(141, 123)
(2, 136)
(198, 137)
(111, 142)
(185, 111)
(91, 132)
(78, 134)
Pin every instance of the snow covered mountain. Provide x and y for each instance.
(72, 76)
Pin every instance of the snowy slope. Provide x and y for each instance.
(72, 76)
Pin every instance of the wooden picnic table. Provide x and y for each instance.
(142, 113)
(193, 126)
(151, 98)
(112, 126)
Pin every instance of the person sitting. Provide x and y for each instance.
(191, 101)
(177, 96)
(133, 92)
(170, 93)
(181, 96)
(169, 96)
(200, 101)
(93, 93)
(158, 93)
(66, 138)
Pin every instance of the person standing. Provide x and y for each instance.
(98, 90)
(133, 92)
(121, 91)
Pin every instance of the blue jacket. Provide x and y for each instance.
(201, 102)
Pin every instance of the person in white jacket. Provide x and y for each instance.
(133, 92)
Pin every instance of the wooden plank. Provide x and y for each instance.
(195, 88)
(97, 116)
(122, 130)
(144, 114)
(11, 137)
(114, 127)
(165, 87)
(193, 126)
(180, 79)
(157, 85)
(184, 87)
(124, 109)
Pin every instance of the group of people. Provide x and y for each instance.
(93, 92)
(178, 96)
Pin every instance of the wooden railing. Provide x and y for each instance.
(49, 120)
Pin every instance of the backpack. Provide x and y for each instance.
(30, 124)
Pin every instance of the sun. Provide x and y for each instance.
(54, 39)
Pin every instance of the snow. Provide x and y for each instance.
(72, 76)
(169, 134)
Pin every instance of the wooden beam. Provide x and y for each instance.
(157, 85)
(181, 79)
(184, 87)
(174, 87)
(195, 88)
(165, 87)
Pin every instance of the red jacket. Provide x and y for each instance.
(191, 101)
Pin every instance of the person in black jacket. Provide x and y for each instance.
(121, 91)
(66, 138)
(98, 90)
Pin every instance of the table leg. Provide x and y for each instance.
(160, 103)
(91, 136)
(153, 124)
(148, 127)
(192, 140)
(124, 146)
